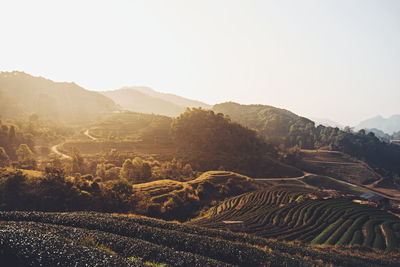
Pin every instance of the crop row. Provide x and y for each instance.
(216, 249)
(332, 222)
(32, 247)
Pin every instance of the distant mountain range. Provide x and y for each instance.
(146, 100)
(22, 94)
(326, 122)
(387, 125)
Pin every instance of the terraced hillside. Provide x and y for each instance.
(96, 239)
(289, 215)
(337, 165)
(183, 199)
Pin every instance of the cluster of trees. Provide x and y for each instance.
(115, 165)
(279, 127)
(57, 192)
(11, 137)
(211, 141)
(21, 142)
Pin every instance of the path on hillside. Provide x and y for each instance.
(56, 151)
(299, 179)
(307, 174)
(372, 187)
(89, 135)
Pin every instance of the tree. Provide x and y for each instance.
(141, 170)
(207, 140)
(4, 159)
(78, 163)
(127, 170)
(25, 157)
(11, 134)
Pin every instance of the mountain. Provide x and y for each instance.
(146, 100)
(278, 126)
(178, 100)
(22, 94)
(388, 125)
(134, 100)
(326, 122)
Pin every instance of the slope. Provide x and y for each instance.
(22, 94)
(289, 214)
(147, 100)
(387, 125)
(133, 100)
(178, 100)
(97, 239)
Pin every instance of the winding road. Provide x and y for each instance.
(89, 135)
(56, 151)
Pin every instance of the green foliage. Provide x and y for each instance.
(25, 157)
(4, 159)
(56, 192)
(136, 170)
(278, 126)
(207, 141)
(285, 129)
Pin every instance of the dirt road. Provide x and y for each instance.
(56, 151)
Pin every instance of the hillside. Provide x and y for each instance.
(133, 100)
(289, 214)
(278, 126)
(343, 167)
(75, 239)
(337, 165)
(146, 100)
(23, 94)
(177, 100)
(182, 200)
(387, 125)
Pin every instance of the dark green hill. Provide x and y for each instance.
(22, 94)
(278, 126)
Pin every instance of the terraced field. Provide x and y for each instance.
(337, 165)
(289, 215)
(191, 196)
(96, 239)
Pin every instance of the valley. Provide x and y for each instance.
(228, 185)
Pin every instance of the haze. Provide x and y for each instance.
(327, 59)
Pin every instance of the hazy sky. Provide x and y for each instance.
(337, 59)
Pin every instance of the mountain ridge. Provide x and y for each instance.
(147, 100)
(389, 125)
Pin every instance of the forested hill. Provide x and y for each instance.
(22, 94)
(285, 129)
(278, 126)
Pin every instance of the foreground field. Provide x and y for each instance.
(95, 239)
(288, 215)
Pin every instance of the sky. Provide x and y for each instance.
(335, 59)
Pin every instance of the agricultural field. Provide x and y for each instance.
(337, 165)
(79, 239)
(170, 199)
(289, 214)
